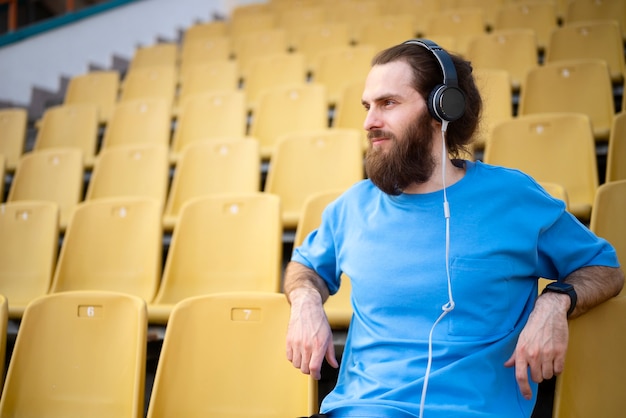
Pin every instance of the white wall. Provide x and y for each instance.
(67, 51)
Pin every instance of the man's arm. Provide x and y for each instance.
(543, 342)
(309, 337)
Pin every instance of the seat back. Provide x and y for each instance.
(596, 345)
(3, 171)
(616, 153)
(221, 75)
(607, 217)
(228, 242)
(287, 109)
(535, 144)
(579, 86)
(495, 89)
(54, 175)
(28, 251)
(112, 244)
(585, 10)
(210, 115)
(70, 126)
(96, 87)
(131, 170)
(205, 30)
(255, 44)
(513, 50)
(337, 68)
(311, 162)
(592, 40)
(349, 111)
(78, 354)
(140, 121)
(4, 324)
(538, 16)
(222, 370)
(338, 307)
(273, 70)
(461, 24)
(384, 31)
(155, 55)
(150, 83)
(13, 123)
(203, 51)
(315, 39)
(210, 167)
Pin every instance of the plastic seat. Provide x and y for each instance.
(349, 112)
(338, 307)
(53, 175)
(287, 109)
(78, 354)
(217, 355)
(616, 153)
(353, 13)
(155, 55)
(339, 67)
(536, 144)
(315, 39)
(258, 44)
(205, 30)
(585, 10)
(140, 121)
(226, 242)
(421, 11)
(385, 31)
(28, 251)
(150, 83)
(461, 24)
(203, 51)
(539, 16)
(243, 24)
(220, 75)
(270, 71)
(131, 170)
(210, 115)
(70, 126)
(112, 244)
(96, 87)
(489, 8)
(579, 86)
(13, 123)
(590, 383)
(513, 50)
(305, 163)
(595, 39)
(495, 89)
(295, 19)
(210, 167)
(607, 217)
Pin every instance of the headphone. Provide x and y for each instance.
(446, 101)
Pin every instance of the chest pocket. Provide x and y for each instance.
(482, 292)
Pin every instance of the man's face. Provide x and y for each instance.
(400, 129)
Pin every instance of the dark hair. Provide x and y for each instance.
(427, 74)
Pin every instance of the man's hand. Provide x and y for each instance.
(542, 343)
(309, 337)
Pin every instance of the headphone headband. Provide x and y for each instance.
(447, 100)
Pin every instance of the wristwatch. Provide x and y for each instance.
(564, 288)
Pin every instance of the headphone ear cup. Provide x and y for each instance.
(446, 103)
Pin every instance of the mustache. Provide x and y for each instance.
(379, 133)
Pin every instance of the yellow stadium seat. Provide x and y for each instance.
(13, 124)
(217, 355)
(53, 175)
(226, 242)
(112, 244)
(78, 354)
(210, 167)
(97, 87)
(28, 251)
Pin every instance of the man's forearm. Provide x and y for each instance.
(301, 278)
(594, 285)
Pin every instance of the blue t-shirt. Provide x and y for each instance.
(505, 233)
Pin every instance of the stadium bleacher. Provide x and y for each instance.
(147, 114)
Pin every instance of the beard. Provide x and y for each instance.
(407, 161)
